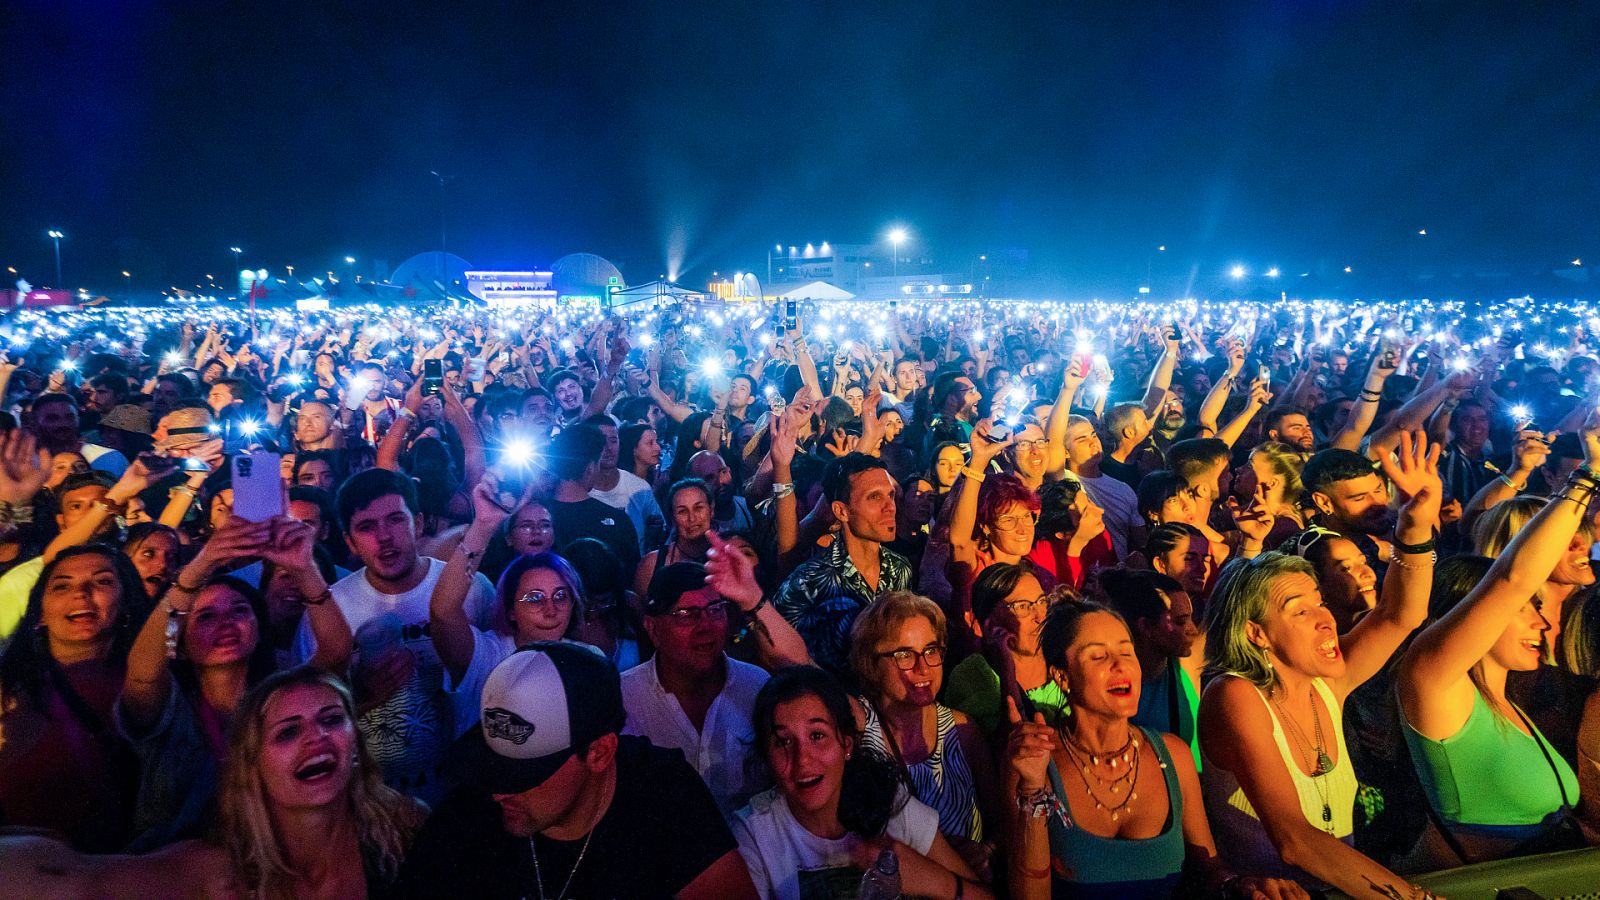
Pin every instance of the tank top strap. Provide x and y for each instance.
(1168, 773)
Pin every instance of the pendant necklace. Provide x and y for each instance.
(538, 877)
(1322, 764)
(1127, 758)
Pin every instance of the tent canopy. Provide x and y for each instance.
(818, 290)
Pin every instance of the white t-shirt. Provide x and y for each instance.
(410, 732)
(633, 496)
(787, 862)
(718, 752)
(1121, 507)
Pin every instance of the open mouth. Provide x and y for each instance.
(83, 615)
(1533, 645)
(1329, 648)
(1120, 688)
(317, 768)
(806, 784)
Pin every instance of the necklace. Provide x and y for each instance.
(1113, 759)
(538, 877)
(1085, 762)
(1323, 765)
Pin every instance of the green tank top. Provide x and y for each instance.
(1490, 773)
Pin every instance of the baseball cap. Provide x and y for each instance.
(539, 706)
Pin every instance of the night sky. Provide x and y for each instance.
(1304, 135)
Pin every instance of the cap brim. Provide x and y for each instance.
(474, 763)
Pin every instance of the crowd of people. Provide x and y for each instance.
(1010, 600)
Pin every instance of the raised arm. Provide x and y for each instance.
(1403, 604)
(448, 623)
(290, 546)
(1217, 397)
(1365, 410)
(1259, 398)
(1435, 690)
(147, 682)
(1161, 376)
(1073, 374)
(785, 438)
(963, 522)
(733, 576)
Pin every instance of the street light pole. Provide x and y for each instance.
(896, 236)
(57, 236)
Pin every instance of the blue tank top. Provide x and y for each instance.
(1086, 866)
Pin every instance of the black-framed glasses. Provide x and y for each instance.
(689, 616)
(905, 658)
(560, 598)
(1020, 608)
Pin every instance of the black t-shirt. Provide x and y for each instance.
(591, 518)
(661, 832)
(1125, 472)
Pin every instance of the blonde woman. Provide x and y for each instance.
(304, 808)
(897, 650)
(304, 814)
(1279, 784)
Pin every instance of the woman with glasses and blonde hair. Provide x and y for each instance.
(1280, 784)
(897, 651)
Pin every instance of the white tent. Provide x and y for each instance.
(817, 290)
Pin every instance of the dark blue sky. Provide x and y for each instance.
(1299, 134)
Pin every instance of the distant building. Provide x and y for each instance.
(512, 289)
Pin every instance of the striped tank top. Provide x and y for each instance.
(943, 780)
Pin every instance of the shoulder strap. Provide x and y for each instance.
(1174, 693)
(1538, 739)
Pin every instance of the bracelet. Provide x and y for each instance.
(1512, 484)
(1424, 547)
(1371, 395)
(1413, 566)
(178, 583)
(324, 597)
(1036, 804)
(779, 491)
(404, 413)
(109, 507)
(972, 473)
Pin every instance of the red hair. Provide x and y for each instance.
(998, 492)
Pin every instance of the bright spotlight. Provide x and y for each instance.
(1236, 272)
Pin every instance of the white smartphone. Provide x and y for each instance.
(257, 486)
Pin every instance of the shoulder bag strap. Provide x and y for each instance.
(1538, 738)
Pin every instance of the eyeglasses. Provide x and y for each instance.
(1029, 446)
(905, 658)
(1019, 608)
(689, 616)
(560, 599)
(1016, 522)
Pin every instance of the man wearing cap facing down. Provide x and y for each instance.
(555, 803)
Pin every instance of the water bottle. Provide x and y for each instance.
(882, 881)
